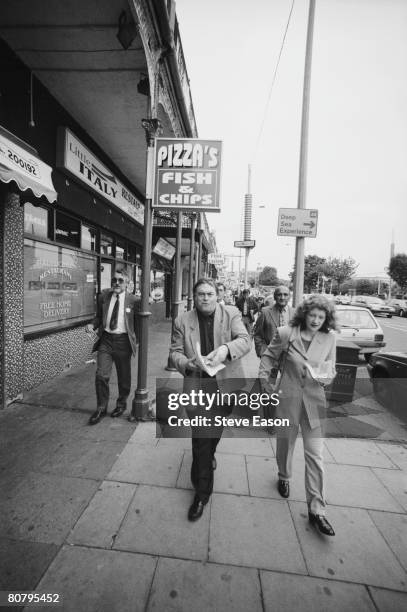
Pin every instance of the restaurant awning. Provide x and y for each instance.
(26, 169)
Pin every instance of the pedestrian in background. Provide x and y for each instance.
(223, 340)
(220, 290)
(305, 354)
(270, 318)
(248, 307)
(116, 326)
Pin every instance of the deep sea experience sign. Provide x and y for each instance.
(187, 174)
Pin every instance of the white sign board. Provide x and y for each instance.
(216, 259)
(298, 222)
(164, 249)
(245, 244)
(73, 156)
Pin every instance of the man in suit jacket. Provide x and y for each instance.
(116, 326)
(270, 318)
(223, 339)
(248, 307)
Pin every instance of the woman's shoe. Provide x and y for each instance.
(322, 523)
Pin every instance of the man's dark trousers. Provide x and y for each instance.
(113, 348)
(204, 442)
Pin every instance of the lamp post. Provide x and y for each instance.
(141, 404)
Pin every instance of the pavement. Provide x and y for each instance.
(98, 514)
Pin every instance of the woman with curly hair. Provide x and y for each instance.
(305, 354)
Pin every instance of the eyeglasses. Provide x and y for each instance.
(118, 280)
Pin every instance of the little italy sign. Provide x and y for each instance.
(82, 164)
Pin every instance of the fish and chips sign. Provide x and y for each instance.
(187, 174)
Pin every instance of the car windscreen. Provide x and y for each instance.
(356, 318)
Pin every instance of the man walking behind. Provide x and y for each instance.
(116, 326)
(248, 307)
(224, 340)
(270, 318)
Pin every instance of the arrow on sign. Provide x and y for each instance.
(311, 224)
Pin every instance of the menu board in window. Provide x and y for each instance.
(59, 286)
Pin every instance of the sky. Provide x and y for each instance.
(357, 147)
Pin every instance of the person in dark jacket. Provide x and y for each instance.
(248, 307)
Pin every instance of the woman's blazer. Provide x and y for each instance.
(298, 387)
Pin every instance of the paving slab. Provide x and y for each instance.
(182, 586)
(253, 532)
(287, 592)
(145, 433)
(263, 477)
(358, 552)
(393, 528)
(229, 477)
(73, 457)
(395, 482)
(100, 522)
(156, 466)
(389, 601)
(246, 446)
(156, 523)
(358, 452)
(95, 580)
(397, 453)
(358, 486)
(44, 507)
(23, 563)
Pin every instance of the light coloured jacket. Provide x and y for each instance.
(228, 329)
(298, 387)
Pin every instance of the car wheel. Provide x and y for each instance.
(382, 389)
(389, 316)
(402, 313)
(367, 357)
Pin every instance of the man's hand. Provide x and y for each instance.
(267, 386)
(89, 328)
(217, 356)
(191, 365)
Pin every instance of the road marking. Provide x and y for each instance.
(404, 329)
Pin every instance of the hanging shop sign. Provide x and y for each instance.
(73, 156)
(26, 169)
(187, 174)
(164, 249)
(217, 259)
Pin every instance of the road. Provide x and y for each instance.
(395, 333)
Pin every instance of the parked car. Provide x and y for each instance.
(400, 306)
(342, 299)
(376, 305)
(359, 326)
(388, 373)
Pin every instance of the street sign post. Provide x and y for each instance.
(245, 244)
(297, 222)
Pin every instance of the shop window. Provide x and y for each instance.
(106, 245)
(121, 249)
(105, 275)
(88, 238)
(157, 286)
(67, 229)
(134, 254)
(36, 220)
(59, 286)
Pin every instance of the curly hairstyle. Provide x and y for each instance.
(321, 302)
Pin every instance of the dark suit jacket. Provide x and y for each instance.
(266, 326)
(251, 306)
(131, 307)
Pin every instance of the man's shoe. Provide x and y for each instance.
(118, 411)
(321, 522)
(283, 488)
(97, 415)
(214, 464)
(196, 509)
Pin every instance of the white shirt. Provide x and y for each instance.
(121, 326)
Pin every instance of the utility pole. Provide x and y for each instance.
(302, 182)
(247, 233)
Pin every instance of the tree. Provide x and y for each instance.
(398, 270)
(365, 286)
(338, 270)
(268, 276)
(311, 272)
